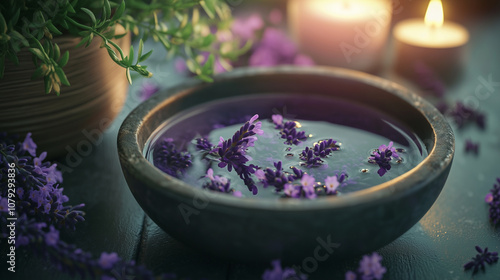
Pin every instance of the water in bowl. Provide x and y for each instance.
(357, 128)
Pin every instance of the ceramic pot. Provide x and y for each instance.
(58, 123)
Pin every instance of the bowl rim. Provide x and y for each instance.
(438, 160)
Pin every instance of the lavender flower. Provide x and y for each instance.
(275, 48)
(29, 145)
(232, 152)
(307, 188)
(277, 178)
(312, 157)
(279, 273)
(147, 90)
(479, 261)
(37, 184)
(69, 259)
(245, 28)
(331, 184)
(383, 156)
(169, 160)
(203, 144)
(462, 115)
(219, 184)
(288, 130)
(493, 199)
(370, 268)
(471, 147)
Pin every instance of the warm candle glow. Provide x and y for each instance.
(434, 16)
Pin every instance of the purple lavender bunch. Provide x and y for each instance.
(493, 200)
(289, 130)
(370, 268)
(37, 184)
(219, 184)
(44, 241)
(479, 261)
(279, 273)
(232, 152)
(277, 178)
(169, 160)
(312, 157)
(383, 156)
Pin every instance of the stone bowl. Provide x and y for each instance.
(249, 229)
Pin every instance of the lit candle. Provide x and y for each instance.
(344, 33)
(433, 41)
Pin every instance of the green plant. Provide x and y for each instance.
(182, 27)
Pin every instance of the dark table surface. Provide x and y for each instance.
(435, 248)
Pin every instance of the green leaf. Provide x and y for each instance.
(129, 79)
(106, 10)
(113, 55)
(62, 76)
(57, 52)
(48, 84)
(119, 11)
(90, 14)
(52, 28)
(120, 35)
(209, 8)
(141, 46)
(187, 31)
(131, 55)
(15, 18)
(70, 7)
(37, 74)
(64, 59)
(18, 36)
(83, 41)
(208, 67)
(164, 42)
(145, 56)
(38, 53)
(3, 25)
(205, 78)
(64, 24)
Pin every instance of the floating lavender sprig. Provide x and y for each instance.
(169, 160)
(493, 199)
(279, 273)
(232, 152)
(383, 156)
(479, 261)
(288, 130)
(370, 268)
(219, 184)
(312, 157)
(277, 178)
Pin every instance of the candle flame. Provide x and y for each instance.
(434, 16)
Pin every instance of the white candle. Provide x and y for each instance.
(433, 41)
(344, 33)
